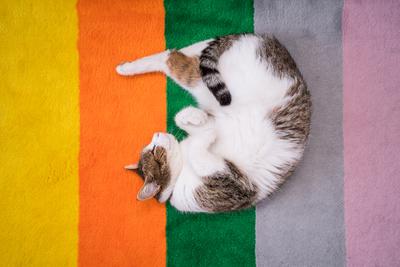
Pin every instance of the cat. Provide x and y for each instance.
(247, 134)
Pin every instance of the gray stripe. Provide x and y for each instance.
(303, 223)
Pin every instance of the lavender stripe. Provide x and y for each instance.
(372, 132)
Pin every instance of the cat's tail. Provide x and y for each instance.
(209, 68)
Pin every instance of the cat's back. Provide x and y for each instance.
(265, 128)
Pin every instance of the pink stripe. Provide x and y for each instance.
(372, 132)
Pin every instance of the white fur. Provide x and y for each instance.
(240, 132)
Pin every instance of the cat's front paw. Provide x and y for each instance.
(191, 116)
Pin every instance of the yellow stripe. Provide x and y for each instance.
(39, 133)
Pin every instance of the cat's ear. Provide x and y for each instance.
(148, 191)
(131, 166)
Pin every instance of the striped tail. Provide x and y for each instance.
(209, 68)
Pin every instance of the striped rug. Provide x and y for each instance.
(69, 123)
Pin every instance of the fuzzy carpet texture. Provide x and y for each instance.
(69, 123)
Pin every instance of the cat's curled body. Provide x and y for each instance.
(246, 136)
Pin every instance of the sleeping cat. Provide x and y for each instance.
(246, 136)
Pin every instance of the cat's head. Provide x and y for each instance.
(159, 165)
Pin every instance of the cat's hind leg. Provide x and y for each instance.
(153, 63)
(183, 69)
(180, 65)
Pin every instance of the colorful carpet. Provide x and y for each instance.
(69, 123)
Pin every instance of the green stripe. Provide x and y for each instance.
(202, 239)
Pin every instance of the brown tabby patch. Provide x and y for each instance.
(217, 47)
(184, 68)
(277, 55)
(292, 120)
(153, 167)
(226, 191)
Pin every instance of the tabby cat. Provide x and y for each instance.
(245, 137)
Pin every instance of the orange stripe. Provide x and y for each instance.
(118, 117)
